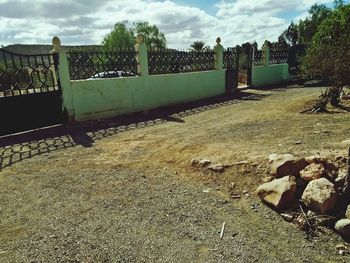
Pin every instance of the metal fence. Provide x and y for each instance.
(278, 56)
(97, 64)
(231, 58)
(27, 74)
(258, 58)
(177, 61)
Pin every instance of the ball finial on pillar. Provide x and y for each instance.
(56, 42)
(139, 39)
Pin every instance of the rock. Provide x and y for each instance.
(267, 179)
(232, 186)
(347, 213)
(287, 164)
(274, 156)
(312, 171)
(343, 227)
(320, 196)
(287, 217)
(342, 250)
(279, 192)
(201, 162)
(207, 190)
(204, 162)
(194, 162)
(341, 177)
(241, 162)
(314, 83)
(217, 168)
(315, 159)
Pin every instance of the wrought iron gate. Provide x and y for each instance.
(231, 63)
(30, 94)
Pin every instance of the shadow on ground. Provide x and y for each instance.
(16, 148)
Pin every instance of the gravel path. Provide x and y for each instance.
(131, 197)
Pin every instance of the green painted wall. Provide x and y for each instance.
(104, 98)
(269, 75)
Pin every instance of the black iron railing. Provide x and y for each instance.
(231, 58)
(258, 58)
(27, 74)
(278, 56)
(177, 61)
(101, 64)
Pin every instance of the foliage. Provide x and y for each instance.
(309, 26)
(290, 37)
(303, 31)
(153, 38)
(199, 46)
(121, 37)
(124, 37)
(328, 57)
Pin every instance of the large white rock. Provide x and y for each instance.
(287, 164)
(315, 159)
(312, 172)
(279, 192)
(343, 227)
(347, 213)
(320, 196)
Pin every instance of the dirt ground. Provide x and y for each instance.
(125, 192)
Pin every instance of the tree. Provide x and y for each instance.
(290, 37)
(152, 36)
(308, 27)
(199, 46)
(123, 36)
(328, 57)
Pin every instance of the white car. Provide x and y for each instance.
(112, 74)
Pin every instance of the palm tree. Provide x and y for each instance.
(199, 46)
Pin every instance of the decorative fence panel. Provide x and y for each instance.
(175, 61)
(278, 56)
(231, 58)
(30, 94)
(258, 58)
(27, 74)
(101, 64)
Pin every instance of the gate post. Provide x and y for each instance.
(251, 57)
(219, 55)
(141, 57)
(266, 53)
(63, 78)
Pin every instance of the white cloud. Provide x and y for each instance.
(87, 21)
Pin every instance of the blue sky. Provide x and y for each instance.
(88, 21)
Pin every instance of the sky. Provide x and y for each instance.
(84, 22)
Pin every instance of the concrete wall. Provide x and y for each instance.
(104, 98)
(269, 75)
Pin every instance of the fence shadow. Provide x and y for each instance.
(17, 148)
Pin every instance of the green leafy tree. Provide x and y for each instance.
(152, 36)
(308, 27)
(328, 57)
(121, 37)
(124, 37)
(290, 37)
(199, 46)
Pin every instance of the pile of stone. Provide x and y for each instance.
(313, 183)
(207, 164)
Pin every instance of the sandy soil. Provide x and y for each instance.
(126, 192)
